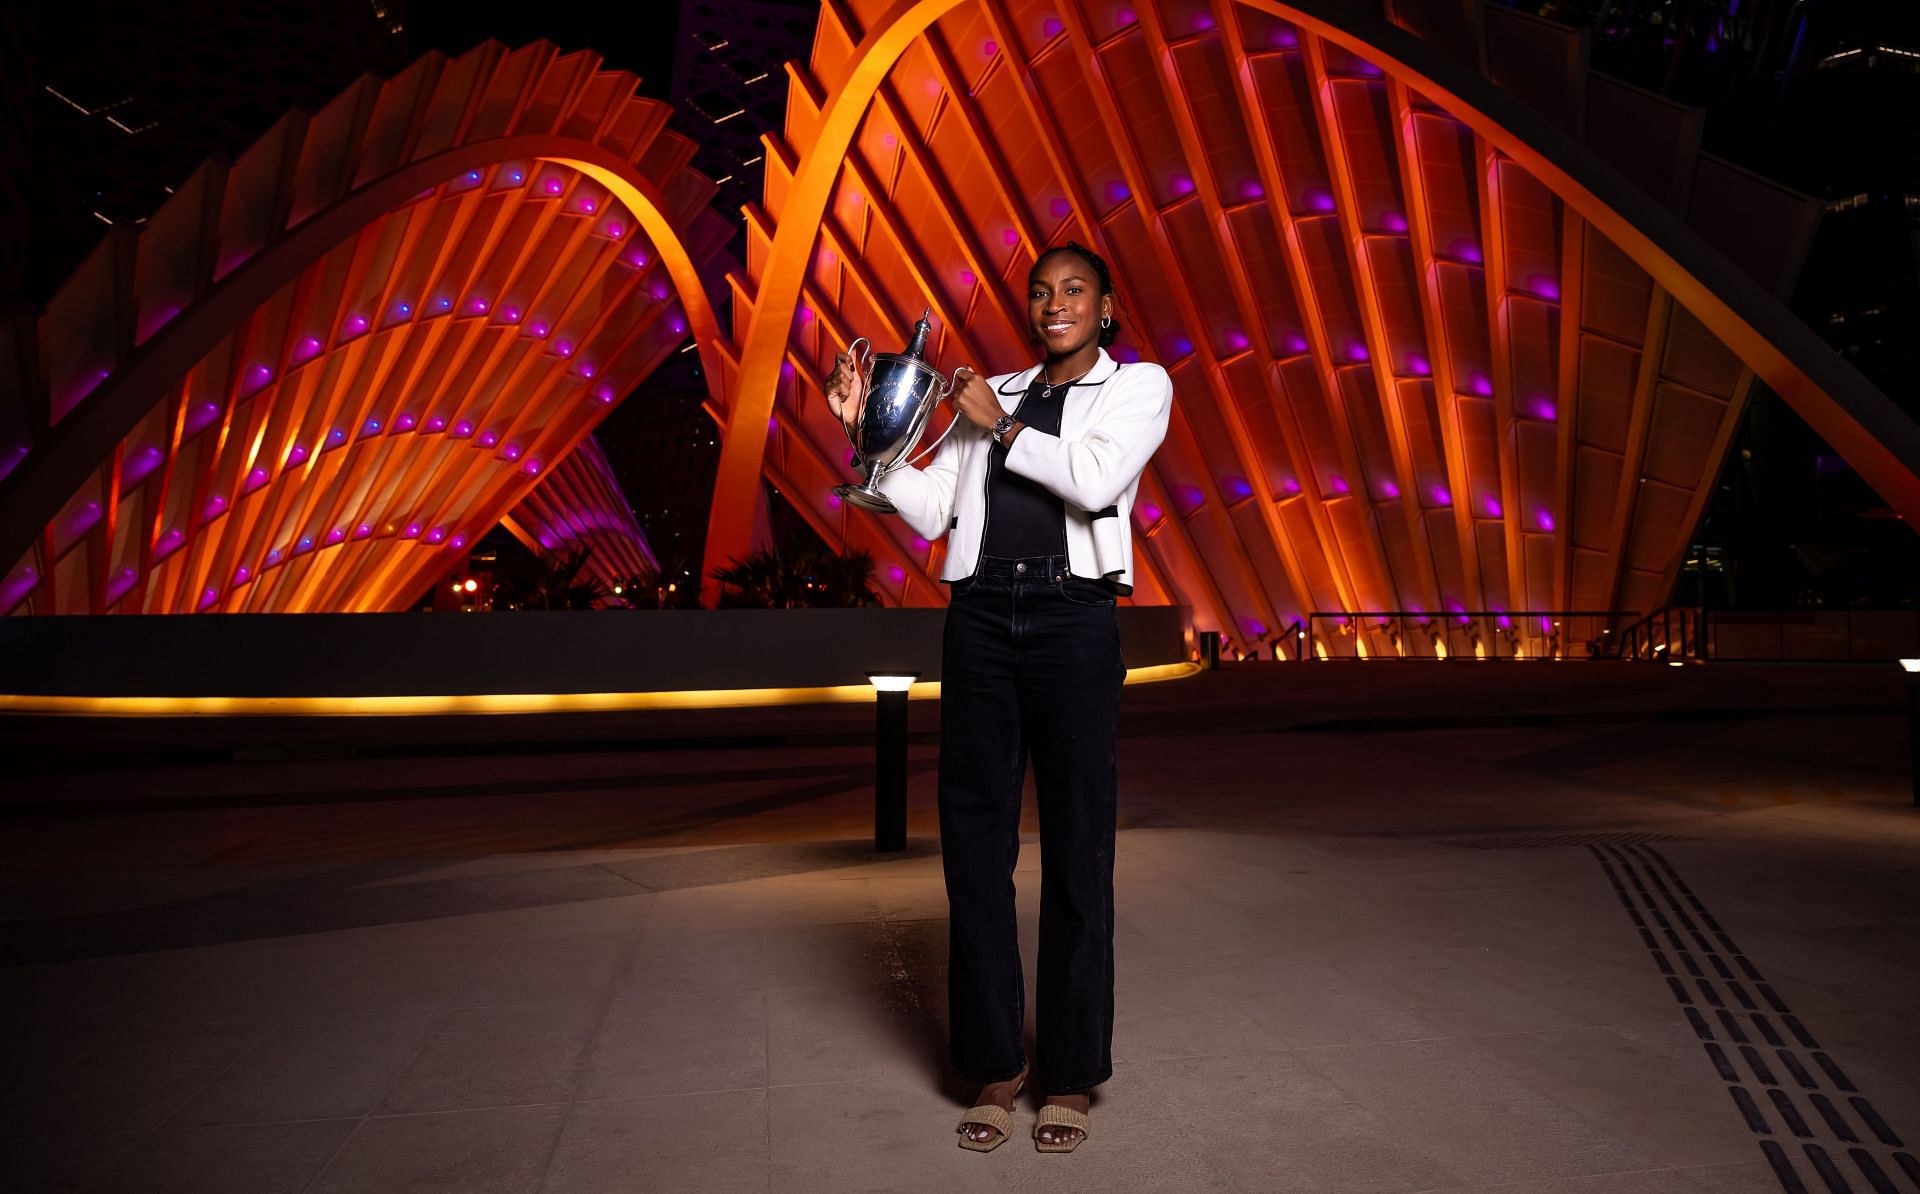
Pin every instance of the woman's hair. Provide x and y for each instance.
(1111, 331)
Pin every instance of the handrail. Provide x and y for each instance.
(1654, 639)
(1462, 634)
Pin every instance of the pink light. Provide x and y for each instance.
(215, 505)
(1010, 237)
(1319, 200)
(1284, 38)
(1465, 250)
(208, 597)
(1290, 485)
(603, 392)
(553, 186)
(659, 292)
(255, 479)
(436, 534)
(362, 531)
(356, 324)
(436, 423)
(403, 423)
(539, 329)
(488, 439)
(921, 544)
(309, 348)
(511, 315)
(773, 425)
(989, 48)
(967, 277)
(241, 576)
(337, 535)
(1356, 351)
(296, 454)
(1393, 221)
(1180, 184)
(615, 230)
(1389, 490)
(412, 531)
(586, 205)
(1338, 484)
(1547, 288)
(888, 141)
(1543, 408)
(637, 259)
(531, 466)
(1124, 17)
(257, 376)
(1481, 384)
(833, 500)
(513, 451)
(1492, 506)
(1296, 343)
(1237, 340)
(564, 348)
(897, 574)
(1441, 497)
(1202, 21)
(479, 306)
(1418, 365)
(586, 368)
(1150, 512)
(678, 325)
(1251, 188)
(462, 429)
(457, 542)
(1544, 519)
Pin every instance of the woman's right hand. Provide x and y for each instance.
(845, 392)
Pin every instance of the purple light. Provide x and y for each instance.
(462, 429)
(436, 534)
(1338, 484)
(603, 393)
(587, 206)
(356, 324)
(564, 348)
(296, 454)
(362, 531)
(305, 544)
(1319, 200)
(1180, 184)
(308, 349)
(921, 544)
(1053, 28)
(412, 531)
(1296, 343)
(1356, 351)
(531, 466)
(1011, 236)
(968, 277)
(255, 479)
(403, 423)
(1237, 339)
(1543, 519)
(1181, 346)
(208, 597)
(1118, 192)
(511, 315)
(1284, 38)
(1389, 490)
(1237, 487)
(1440, 496)
(1290, 485)
(553, 186)
(216, 505)
(1543, 408)
(337, 535)
(1255, 627)
(241, 576)
(489, 438)
(637, 259)
(1545, 287)
(897, 574)
(615, 230)
(1202, 22)
(586, 368)
(372, 427)
(403, 308)
(1149, 512)
(1251, 188)
(517, 175)
(273, 557)
(1123, 17)
(773, 425)
(257, 376)
(457, 542)
(678, 325)
(478, 306)
(1492, 505)
(1060, 208)
(1465, 250)
(1481, 384)
(513, 451)
(473, 176)
(443, 303)
(659, 292)
(1124, 353)
(1393, 221)
(539, 329)
(1418, 365)
(1189, 496)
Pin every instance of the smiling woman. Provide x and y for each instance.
(1034, 493)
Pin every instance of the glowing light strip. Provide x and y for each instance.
(484, 704)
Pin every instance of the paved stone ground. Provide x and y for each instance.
(1418, 929)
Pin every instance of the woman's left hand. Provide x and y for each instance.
(975, 400)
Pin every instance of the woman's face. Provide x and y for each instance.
(1064, 304)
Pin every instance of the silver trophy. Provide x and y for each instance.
(900, 393)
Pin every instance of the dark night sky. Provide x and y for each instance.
(632, 37)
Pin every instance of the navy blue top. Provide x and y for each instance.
(1024, 517)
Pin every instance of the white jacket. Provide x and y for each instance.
(1110, 425)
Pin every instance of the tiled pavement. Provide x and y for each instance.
(1536, 959)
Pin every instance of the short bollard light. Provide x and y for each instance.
(890, 758)
(1912, 667)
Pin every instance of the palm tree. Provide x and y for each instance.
(797, 574)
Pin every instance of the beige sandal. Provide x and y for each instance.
(1057, 1116)
(989, 1115)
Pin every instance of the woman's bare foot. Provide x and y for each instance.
(1060, 1133)
(1000, 1094)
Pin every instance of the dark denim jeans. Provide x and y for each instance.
(1031, 667)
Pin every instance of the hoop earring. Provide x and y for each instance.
(1106, 321)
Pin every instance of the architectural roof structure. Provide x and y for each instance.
(316, 375)
(1430, 354)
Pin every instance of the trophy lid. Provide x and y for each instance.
(918, 348)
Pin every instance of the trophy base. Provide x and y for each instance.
(866, 498)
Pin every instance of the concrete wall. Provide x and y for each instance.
(259, 655)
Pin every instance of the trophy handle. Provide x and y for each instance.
(862, 369)
(953, 383)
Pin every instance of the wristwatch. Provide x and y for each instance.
(1001, 426)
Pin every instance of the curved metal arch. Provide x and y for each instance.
(1861, 423)
(33, 493)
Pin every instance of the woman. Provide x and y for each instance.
(1035, 491)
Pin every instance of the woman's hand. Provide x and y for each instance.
(975, 400)
(846, 392)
